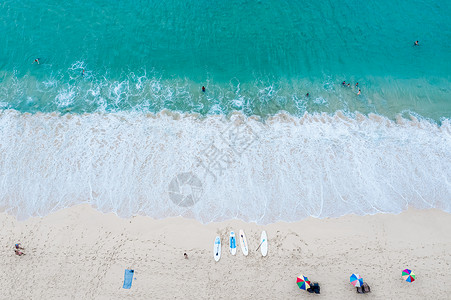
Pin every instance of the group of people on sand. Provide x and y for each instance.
(17, 249)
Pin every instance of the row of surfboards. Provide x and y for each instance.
(243, 243)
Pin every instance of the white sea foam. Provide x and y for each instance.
(286, 168)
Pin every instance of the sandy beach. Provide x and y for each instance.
(80, 253)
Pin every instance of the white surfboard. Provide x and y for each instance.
(232, 242)
(217, 248)
(264, 243)
(243, 243)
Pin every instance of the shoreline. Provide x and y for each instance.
(399, 118)
(82, 253)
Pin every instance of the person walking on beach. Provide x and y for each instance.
(36, 61)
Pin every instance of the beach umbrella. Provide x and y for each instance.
(356, 280)
(303, 282)
(408, 275)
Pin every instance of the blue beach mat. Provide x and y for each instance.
(128, 277)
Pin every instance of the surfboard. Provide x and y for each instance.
(264, 243)
(232, 241)
(217, 248)
(243, 243)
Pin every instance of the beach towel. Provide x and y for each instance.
(128, 277)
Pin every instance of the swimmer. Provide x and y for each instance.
(343, 83)
(203, 89)
(349, 84)
(36, 61)
(307, 95)
(83, 73)
(357, 84)
(358, 92)
(417, 43)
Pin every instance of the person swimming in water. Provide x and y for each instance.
(343, 83)
(357, 84)
(417, 43)
(358, 92)
(36, 61)
(307, 95)
(203, 89)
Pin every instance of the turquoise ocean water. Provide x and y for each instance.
(103, 61)
(257, 57)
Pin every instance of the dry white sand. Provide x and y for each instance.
(79, 253)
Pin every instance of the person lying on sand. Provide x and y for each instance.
(20, 253)
(18, 246)
(186, 255)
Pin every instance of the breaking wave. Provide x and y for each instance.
(215, 168)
